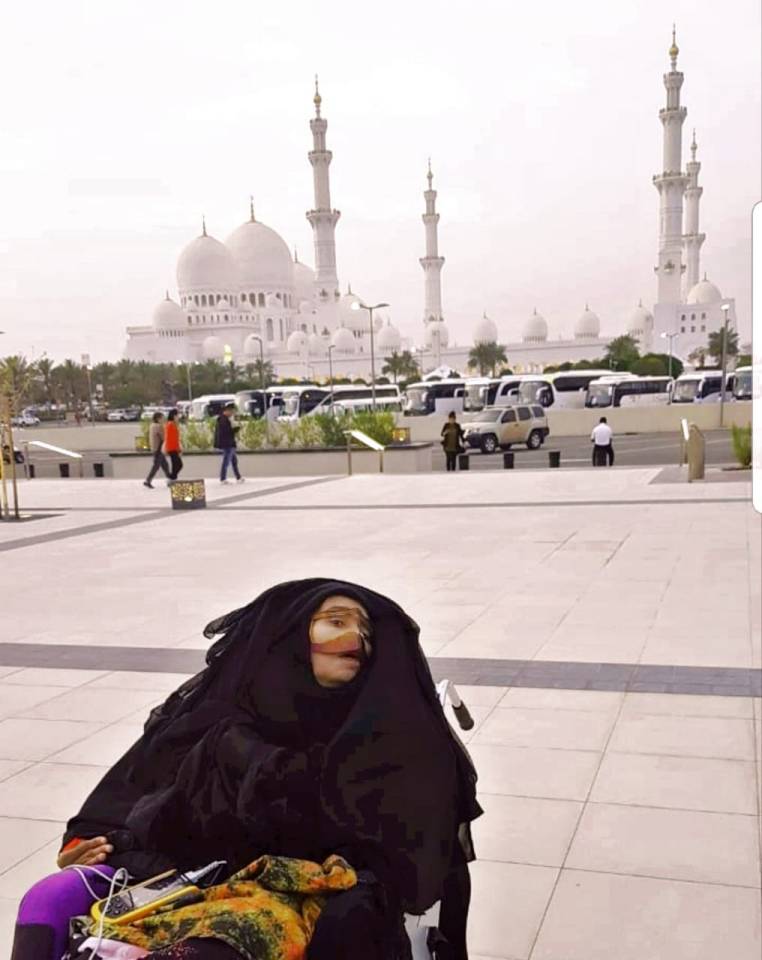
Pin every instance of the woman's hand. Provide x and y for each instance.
(87, 853)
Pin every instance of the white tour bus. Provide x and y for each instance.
(484, 392)
(210, 405)
(434, 396)
(297, 400)
(743, 383)
(628, 391)
(701, 386)
(567, 390)
(351, 397)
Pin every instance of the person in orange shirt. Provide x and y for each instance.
(172, 445)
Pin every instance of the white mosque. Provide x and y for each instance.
(248, 297)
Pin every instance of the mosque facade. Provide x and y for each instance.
(248, 297)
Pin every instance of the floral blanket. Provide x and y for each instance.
(267, 911)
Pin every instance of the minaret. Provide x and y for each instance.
(432, 263)
(671, 186)
(692, 239)
(322, 218)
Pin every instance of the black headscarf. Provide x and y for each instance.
(252, 756)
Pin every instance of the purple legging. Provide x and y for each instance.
(42, 925)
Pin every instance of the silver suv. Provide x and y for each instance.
(501, 427)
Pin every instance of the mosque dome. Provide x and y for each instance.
(212, 348)
(206, 264)
(304, 281)
(168, 315)
(389, 338)
(261, 256)
(436, 329)
(486, 331)
(588, 326)
(296, 342)
(251, 346)
(638, 322)
(535, 329)
(354, 320)
(316, 346)
(704, 292)
(343, 340)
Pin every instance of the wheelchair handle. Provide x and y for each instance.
(465, 720)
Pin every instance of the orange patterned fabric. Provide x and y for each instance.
(267, 911)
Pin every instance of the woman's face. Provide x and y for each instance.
(339, 640)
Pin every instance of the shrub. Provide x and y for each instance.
(332, 428)
(253, 434)
(379, 425)
(742, 444)
(196, 436)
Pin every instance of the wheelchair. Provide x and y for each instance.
(418, 928)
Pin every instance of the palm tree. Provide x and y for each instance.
(714, 344)
(71, 378)
(45, 373)
(486, 356)
(16, 378)
(698, 357)
(259, 374)
(400, 365)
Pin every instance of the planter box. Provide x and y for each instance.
(318, 462)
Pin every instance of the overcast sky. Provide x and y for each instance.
(123, 122)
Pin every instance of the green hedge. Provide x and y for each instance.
(742, 444)
(321, 430)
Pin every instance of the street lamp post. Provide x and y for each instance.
(88, 368)
(190, 384)
(670, 337)
(726, 310)
(330, 372)
(359, 305)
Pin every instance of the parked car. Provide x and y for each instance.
(128, 415)
(25, 420)
(500, 427)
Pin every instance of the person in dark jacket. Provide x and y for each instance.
(224, 440)
(452, 440)
(295, 741)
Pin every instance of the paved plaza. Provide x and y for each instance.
(603, 627)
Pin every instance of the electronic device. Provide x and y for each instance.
(168, 890)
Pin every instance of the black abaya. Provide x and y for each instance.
(251, 756)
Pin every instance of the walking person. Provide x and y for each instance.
(603, 447)
(172, 445)
(156, 443)
(452, 440)
(225, 442)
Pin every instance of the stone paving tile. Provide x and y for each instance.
(52, 676)
(534, 772)
(47, 790)
(686, 706)
(21, 837)
(506, 925)
(673, 844)
(525, 829)
(726, 738)
(102, 748)
(687, 783)
(9, 768)
(8, 909)
(27, 739)
(582, 700)
(539, 727)
(88, 703)
(15, 698)
(600, 916)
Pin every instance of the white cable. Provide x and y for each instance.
(120, 876)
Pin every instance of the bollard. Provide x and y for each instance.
(696, 453)
(554, 458)
(31, 471)
(63, 470)
(464, 462)
(98, 469)
(508, 460)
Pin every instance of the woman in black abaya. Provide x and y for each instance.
(314, 729)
